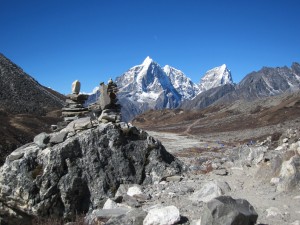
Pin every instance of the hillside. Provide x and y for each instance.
(26, 107)
(236, 122)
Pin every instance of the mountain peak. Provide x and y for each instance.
(223, 66)
(216, 77)
(147, 61)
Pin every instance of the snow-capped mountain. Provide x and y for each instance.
(146, 86)
(184, 85)
(215, 77)
(150, 86)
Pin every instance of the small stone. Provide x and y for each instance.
(279, 148)
(59, 137)
(275, 181)
(273, 212)
(135, 190)
(285, 140)
(165, 215)
(174, 179)
(98, 214)
(110, 204)
(42, 139)
(76, 87)
(221, 172)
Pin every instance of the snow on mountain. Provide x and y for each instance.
(146, 82)
(215, 77)
(147, 86)
(184, 85)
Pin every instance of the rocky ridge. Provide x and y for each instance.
(76, 169)
(256, 85)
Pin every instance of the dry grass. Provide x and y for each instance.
(79, 220)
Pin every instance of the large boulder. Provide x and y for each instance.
(167, 215)
(77, 175)
(210, 190)
(226, 210)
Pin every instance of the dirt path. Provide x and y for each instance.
(189, 128)
(175, 142)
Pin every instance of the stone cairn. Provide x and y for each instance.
(111, 111)
(74, 108)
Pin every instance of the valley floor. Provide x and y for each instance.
(245, 180)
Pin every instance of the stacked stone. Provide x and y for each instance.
(74, 108)
(111, 111)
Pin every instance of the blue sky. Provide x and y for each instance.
(59, 41)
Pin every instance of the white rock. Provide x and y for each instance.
(110, 204)
(285, 140)
(275, 180)
(210, 191)
(294, 146)
(273, 212)
(135, 190)
(288, 168)
(279, 148)
(167, 215)
(297, 222)
(196, 222)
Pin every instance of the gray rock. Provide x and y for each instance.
(110, 204)
(210, 191)
(58, 137)
(133, 217)
(77, 175)
(289, 174)
(42, 139)
(226, 210)
(122, 190)
(79, 124)
(103, 215)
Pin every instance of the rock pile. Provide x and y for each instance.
(74, 108)
(111, 111)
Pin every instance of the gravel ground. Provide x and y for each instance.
(273, 207)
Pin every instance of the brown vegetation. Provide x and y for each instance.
(280, 111)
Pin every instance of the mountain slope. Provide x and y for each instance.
(26, 107)
(20, 93)
(233, 122)
(263, 83)
(208, 97)
(184, 85)
(269, 81)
